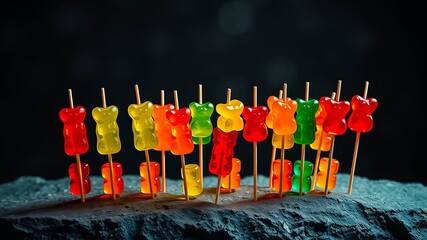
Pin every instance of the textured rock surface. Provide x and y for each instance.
(35, 208)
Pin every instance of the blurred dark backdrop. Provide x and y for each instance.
(50, 47)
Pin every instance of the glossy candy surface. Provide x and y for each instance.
(284, 123)
(336, 111)
(271, 116)
(306, 123)
(326, 140)
(74, 130)
(201, 124)
(286, 180)
(162, 126)
(306, 181)
(360, 119)
(276, 140)
(323, 169)
(118, 182)
(320, 134)
(144, 135)
(194, 183)
(182, 141)
(234, 174)
(222, 152)
(155, 180)
(107, 130)
(288, 141)
(73, 173)
(229, 119)
(255, 129)
(321, 113)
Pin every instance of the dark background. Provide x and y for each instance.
(51, 47)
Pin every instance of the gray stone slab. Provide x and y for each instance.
(36, 208)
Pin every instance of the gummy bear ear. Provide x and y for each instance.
(264, 110)
(170, 115)
(157, 106)
(192, 105)
(147, 104)
(170, 106)
(373, 103)
(186, 111)
(113, 109)
(271, 100)
(237, 104)
(96, 111)
(323, 99)
(234, 135)
(221, 108)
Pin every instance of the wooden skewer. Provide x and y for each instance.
(282, 159)
(316, 162)
(282, 147)
(307, 87)
(273, 152)
(82, 195)
(329, 164)
(273, 157)
(229, 175)
(162, 102)
(110, 157)
(201, 141)
(255, 149)
(331, 151)
(218, 185)
(184, 174)
(318, 153)
(229, 179)
(356, 147)
(147, 156)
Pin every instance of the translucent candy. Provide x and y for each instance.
(323, 170)
(74, 130)
(201, 124)
(144, 136)
(271, 116)
(229, 119)
(194, 184)
(284, 122)
(321, 113)
(306, 123)
(276, 141)
(107, 130)
(155, 180)
(286, 180)
(326, 140)
(306, 181)
(360, 119)
(222, 152)
(162, 126)
(182, 141)
(118, 182)
(255, 129)
(234, 174)
(320, 134)
(336, 111)
(73, 173)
